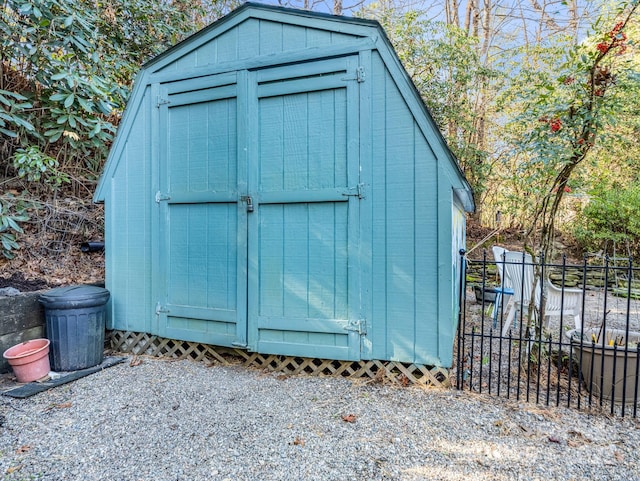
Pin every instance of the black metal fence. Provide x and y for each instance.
(551, 333)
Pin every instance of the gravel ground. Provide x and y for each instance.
(182, 420)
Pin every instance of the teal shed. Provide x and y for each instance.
(277, 185)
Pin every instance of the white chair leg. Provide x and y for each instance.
(510, 317)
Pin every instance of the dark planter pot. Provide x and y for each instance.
(489, 294)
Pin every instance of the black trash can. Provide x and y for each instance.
(75, 318)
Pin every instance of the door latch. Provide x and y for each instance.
(160, 196)
(249, 201)
(359, 326)
(161, 309)
(357, 191)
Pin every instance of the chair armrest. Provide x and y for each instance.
(567, 290)
(568, 297)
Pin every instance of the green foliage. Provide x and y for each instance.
(567, 99)
(35, 166)
(13, 211)
(11, 120)
(611, 220)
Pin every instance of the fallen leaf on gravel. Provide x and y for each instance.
(298, 442)
(23, 449)
(577, 438)
(135, 361)
(349, 418)
(505, 427)
(13, 469)
(619, 457)
(58, 406)
(524, 429)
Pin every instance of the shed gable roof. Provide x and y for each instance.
(235, 42)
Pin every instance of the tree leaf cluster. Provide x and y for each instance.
(13, 211)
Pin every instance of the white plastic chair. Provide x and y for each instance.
(518, 270)
(563, 302)
(560, 302)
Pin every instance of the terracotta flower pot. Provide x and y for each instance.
(29, 360)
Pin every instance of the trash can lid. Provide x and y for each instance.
(74, 293)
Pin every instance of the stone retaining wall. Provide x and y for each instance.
(573, 277)
(21, 319)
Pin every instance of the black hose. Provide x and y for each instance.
(92, 246)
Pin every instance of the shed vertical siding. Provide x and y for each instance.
(426, 257)
(239, 43)
(247, 33)
(128, 217)
(404, 234)
(445, 274)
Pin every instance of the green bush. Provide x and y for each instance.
(611, 221)
(66, 68)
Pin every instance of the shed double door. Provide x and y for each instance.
(258, 210)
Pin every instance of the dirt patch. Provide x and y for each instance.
(18, 281)
(50, 252)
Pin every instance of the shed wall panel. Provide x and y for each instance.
(445, 274)
(427, 327)
(128, 220)
(404, 233)
(226, 45)
(377, 311)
